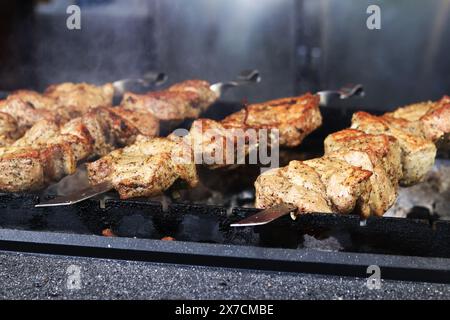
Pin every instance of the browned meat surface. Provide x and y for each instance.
(418, 153)
(54, 150)
(133, 170)
(320, 185)
(396, 147)
(181, 101)
(8, 129)
(144, 169)
(294, 117)
(381, 148)
(59, 103)
(30, 168)
(24, 113)
(76, 99)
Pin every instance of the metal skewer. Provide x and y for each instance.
(266, 216)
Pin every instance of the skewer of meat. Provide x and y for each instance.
(150, 166)
(48, 152)
(59, 103)
(94, 134)
(362, 166)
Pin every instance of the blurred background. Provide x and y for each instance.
(298, 45)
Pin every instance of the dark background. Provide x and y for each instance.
(297, 45)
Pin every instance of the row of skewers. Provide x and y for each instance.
(45, 136)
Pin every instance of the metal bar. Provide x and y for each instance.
(270, 259)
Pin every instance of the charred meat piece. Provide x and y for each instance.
(320, 185)
(185, 100)
(48, 152)
(8, 129)
(379, 154)
(434, 117)
(144, 169)
(418, 153)
(292, 118)
(24, 113)
(133, 169)
(295, 118)
(383, 150)
(59, 103)
(75, 99)
(31, 169)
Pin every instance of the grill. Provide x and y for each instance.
(413, 248)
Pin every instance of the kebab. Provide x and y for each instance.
(362, 166)
(94, 134)
(151, 166)
(59, 103)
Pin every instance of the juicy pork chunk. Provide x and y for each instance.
(75, 99)
(144, 169)
(320, 185)
(24, 113)
(132, 170)
(418, 152)
(397, 147)
(48, 152)
(382, 149)
(432, 117)
(32, 168)
(379, 154)
(185, 100)
(8, 129)
(59, 103)
(295, 118)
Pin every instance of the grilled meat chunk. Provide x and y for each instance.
(379, 154)
(297, 184)
(53, 150)
(181, 101)
(209, 142)
(8, 129)
(383, 150)
(31, 169)
(144, 169)
(24, 113)
(35, 99)
(294, 117)
(75, 99)
(418, 153)
(433, 117)
(319, 185)
(220, 141)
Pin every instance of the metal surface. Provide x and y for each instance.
(244, 78)
(79, 196)
(266, 216)
(149, 79)
(178, 252)
(327, 97)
